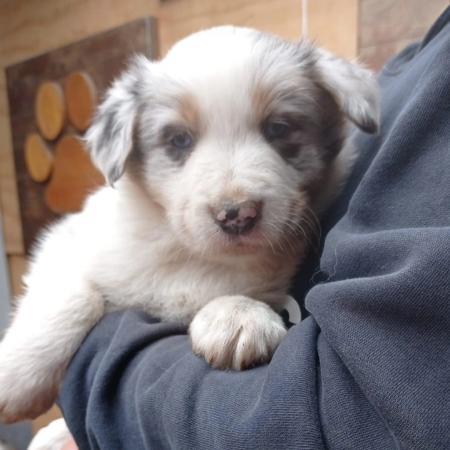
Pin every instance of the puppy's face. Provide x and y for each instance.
(232, 134)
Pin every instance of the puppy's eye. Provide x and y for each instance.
(181, 140)
(276, 129)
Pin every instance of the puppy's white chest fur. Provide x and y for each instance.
(139, 263)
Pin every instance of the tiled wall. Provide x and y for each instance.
(387, 26)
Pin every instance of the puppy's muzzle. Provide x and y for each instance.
(238, 218)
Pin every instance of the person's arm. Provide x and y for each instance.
(370, 367)
(136, 384)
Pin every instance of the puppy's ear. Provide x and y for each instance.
(110, 137)
(354, 87)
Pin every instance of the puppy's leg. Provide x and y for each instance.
(236, 332)
(38, 346)
(59, 308)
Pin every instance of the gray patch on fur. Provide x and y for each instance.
(110, 137)
(354, 88)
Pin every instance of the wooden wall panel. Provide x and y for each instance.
(386, 26)
(334, 25)
(179, 18)
(31, 27)
(17, 267)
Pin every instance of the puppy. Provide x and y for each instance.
(218, 158)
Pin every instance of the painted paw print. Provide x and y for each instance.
(56, 155)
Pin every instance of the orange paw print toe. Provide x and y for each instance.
(68, 167)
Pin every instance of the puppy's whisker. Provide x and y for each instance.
(284, 237)
(310, 219)
(269, 242)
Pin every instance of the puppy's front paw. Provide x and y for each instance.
(25, 391)
(236, 332)
(17, 405)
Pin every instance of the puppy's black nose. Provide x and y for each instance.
(238, 218)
